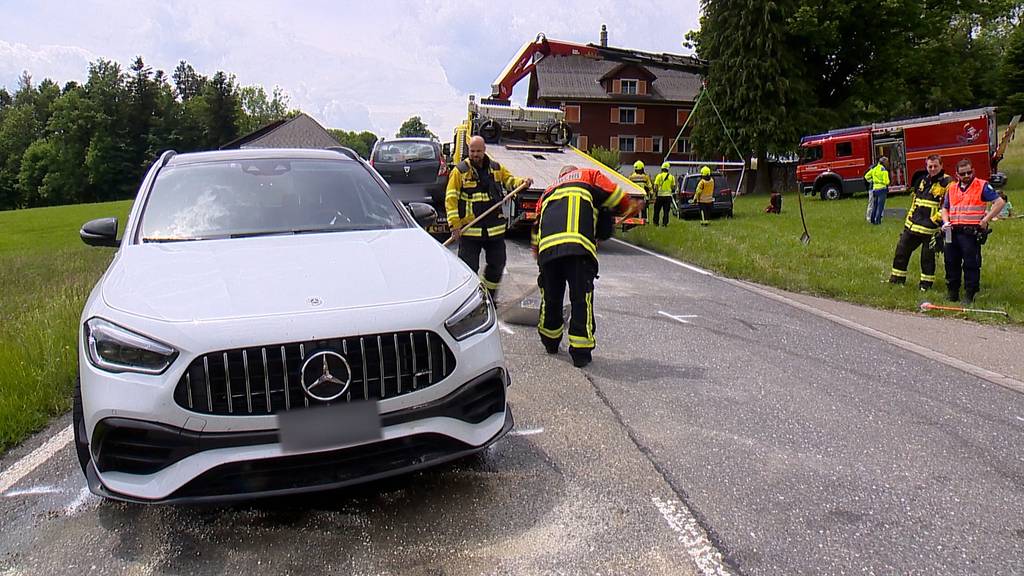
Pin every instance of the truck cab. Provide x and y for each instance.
(833, 165)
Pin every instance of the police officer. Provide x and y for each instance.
(474, 186)
(965, 217)
(664, 187)
(640, 177)
(921, 227)
(565, 241)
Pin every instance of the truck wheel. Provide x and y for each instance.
(831, 191)
(78, 423)
(491, 131)
(559, 134)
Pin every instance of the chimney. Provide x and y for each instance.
(604, 36)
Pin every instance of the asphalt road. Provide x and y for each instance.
(716, 431)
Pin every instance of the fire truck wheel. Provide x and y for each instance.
(831, 191)
(490, 131)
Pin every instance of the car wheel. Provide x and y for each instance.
(831, 191)
(78, 424)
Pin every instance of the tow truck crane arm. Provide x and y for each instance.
(526, 60)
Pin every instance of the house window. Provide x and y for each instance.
(572, 114)
(629, 86)
(627, 115)
(627, 144)
(656, 144)
(682, 146)
(844, 149)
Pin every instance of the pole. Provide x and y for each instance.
(507, 197)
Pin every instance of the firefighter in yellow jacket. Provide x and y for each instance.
(474, 186)
(704, 195)
(641, 179)
(664, 187)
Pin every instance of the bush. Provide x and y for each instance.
(605, 156)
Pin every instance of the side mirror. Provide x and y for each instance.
(423, 214)
(100, 232)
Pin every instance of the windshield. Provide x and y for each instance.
(405, 152)
(259, 197)
(810, 154)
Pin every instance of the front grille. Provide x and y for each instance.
(266, 380)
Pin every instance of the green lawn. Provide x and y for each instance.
(46, 273)
(847, 258)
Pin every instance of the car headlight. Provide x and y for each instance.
(476, 315)
(116, 349)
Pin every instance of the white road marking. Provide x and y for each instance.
(83, 497)
(666, 258)
(526, 431)
(1019, 418)
(679, 317)
(693, 538)
(504, 328)
(34, 459)
(33, 491)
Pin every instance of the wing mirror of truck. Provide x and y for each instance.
(100, 232)
(423, 214)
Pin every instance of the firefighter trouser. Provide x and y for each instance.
(579, 273)
(908, 242)
(662, 204)
(963, 254)
(494, 254)
(705, 210)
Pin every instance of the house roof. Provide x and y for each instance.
(300, 131)
(572, 77)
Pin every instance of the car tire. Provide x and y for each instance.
(831, 191)
(78, 425)
(559, 134)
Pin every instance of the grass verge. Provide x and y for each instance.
(46, 274)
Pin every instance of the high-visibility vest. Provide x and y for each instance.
(665, 183)
(966, 208)
(644, 181)
(878, 176)
(705, 193)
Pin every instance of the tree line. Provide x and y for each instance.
(92, 142)
(782, 69)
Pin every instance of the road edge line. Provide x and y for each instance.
(977, 371)
(29, 462)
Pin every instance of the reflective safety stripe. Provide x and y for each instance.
(566, 238)
(488, 284)
(613, 199)
(927, 278)
(922, 229)
(477, 231)
(919, 202)
(899, 273)
(550, 333)
(581, 342)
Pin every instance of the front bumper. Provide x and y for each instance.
(141, 461)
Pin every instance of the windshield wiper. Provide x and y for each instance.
(332, 229)
(260, 233)
(173, 239)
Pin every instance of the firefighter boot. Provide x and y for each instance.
(925, 285)
(953, 293)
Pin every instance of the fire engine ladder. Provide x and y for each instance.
(1008, 135)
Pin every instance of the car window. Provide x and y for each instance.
(257, 197)
(690, 184)
(405, 152)
(810, 153)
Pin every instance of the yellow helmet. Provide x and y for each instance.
(638, 165)
(705, 171)
(664, 166)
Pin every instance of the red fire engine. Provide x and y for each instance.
(833, 164)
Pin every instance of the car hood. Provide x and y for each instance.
(275, 275)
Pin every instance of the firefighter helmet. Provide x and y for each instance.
(705, 171)
(638, 165)
(664, 166)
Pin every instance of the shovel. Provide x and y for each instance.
(497, 205)
(805, 238)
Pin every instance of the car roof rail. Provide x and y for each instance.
(166, 156)
(346, 151)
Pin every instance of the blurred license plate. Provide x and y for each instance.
(438, 228)
(329, 426)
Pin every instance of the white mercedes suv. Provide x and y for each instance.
(275, 322)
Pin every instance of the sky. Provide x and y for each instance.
(350, 65)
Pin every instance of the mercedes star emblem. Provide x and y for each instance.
(325, 376)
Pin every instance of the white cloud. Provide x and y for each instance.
(352, 65)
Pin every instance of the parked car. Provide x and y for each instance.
(274, 322)
(414, 168)
(687, 187)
